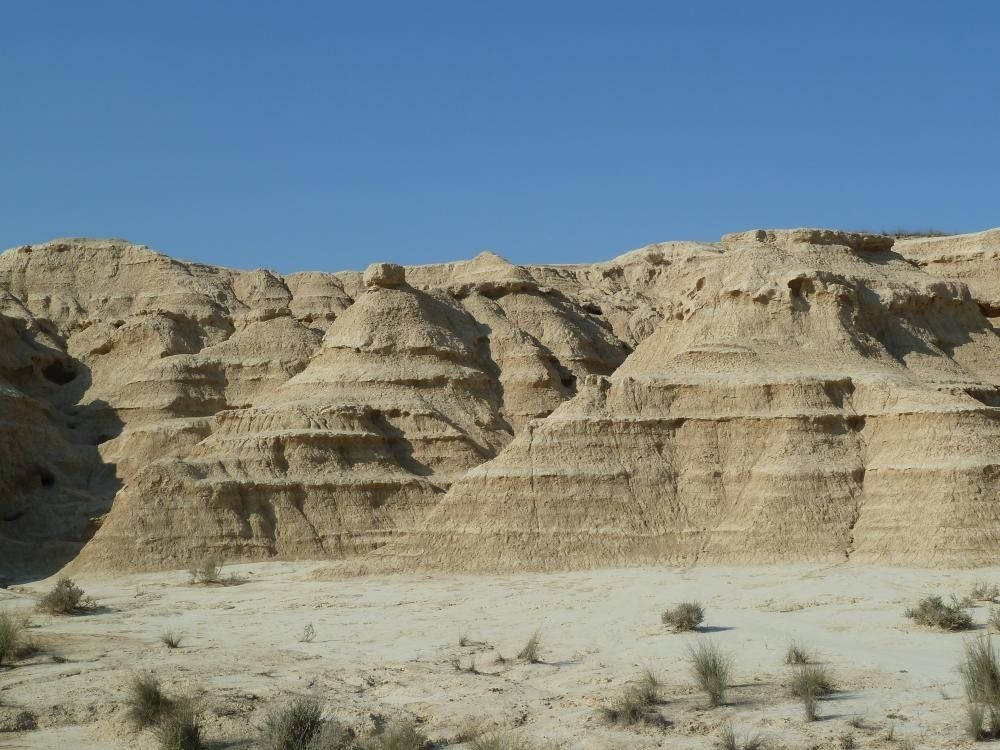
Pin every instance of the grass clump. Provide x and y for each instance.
(982, 591)
(994, 619)
(179, 730)
(12, 640)
(729, 741)
(207, 570)
(712, 671)
(981, 677)
(171, 639)
(308, 634)
(399, 735)
(292, 727)
(147, 704)
(684, 616)
(797, 654)
(66, 598)
(809, 684)
(934, 613)
(506, 741)
(636, 702)
(531, 652)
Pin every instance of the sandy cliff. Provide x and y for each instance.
(800, 394)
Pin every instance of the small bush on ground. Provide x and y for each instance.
(207, 570)
(712, 670)
(171, 639)
(399, 735)
(505, 741)
(531, 652)
(147, 704)
(293, 726)
(66, 598)
(809, 684)
(12, 628)
(985, 592)
(933, 612)
(981, 677)
(179, 729)
(636, 702)
(994, 619)
(684, 616)
(797, 654)
(729, 741)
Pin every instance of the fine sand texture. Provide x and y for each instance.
(404, 645)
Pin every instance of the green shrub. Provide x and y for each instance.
(147, 704)
(66, 598)
(684, 616)
(712, 670)
(933, 612)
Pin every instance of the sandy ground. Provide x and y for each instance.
(385, 647)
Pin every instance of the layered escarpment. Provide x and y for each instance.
(801, 394)
(248, 414)
(821, 398)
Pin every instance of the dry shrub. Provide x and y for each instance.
(712, 670)
(66, 598)
(684, 616)
(531, 652)
(146, 702)
(934, 613)
(12, 640)
(981, 677)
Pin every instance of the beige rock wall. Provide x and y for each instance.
(801, 394)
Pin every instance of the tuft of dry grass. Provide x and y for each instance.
(981, 677)
(170, 639)
(12, 641)
(712, 670)
(728, 740)
(685, 616)
(797, 654)
(66, 598)
(180, 730)
(531, 651)
(810, 683)
(983, 591)
(207, 570)
(399, 735)
(147, 704)
(934, 613)
(502, 741)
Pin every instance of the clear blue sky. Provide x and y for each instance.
(324, 135)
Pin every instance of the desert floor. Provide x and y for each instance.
(386, 647)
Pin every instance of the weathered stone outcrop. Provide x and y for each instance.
(783, 394)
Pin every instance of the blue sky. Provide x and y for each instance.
(324, 135)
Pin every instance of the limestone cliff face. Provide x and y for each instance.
(801, 394)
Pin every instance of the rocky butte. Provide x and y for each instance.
(785, 395)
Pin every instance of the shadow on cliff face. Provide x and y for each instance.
(56, 485)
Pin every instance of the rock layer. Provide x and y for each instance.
(798, 394)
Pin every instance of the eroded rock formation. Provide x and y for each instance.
(801, 394)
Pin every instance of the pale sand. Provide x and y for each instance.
(386, 645)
